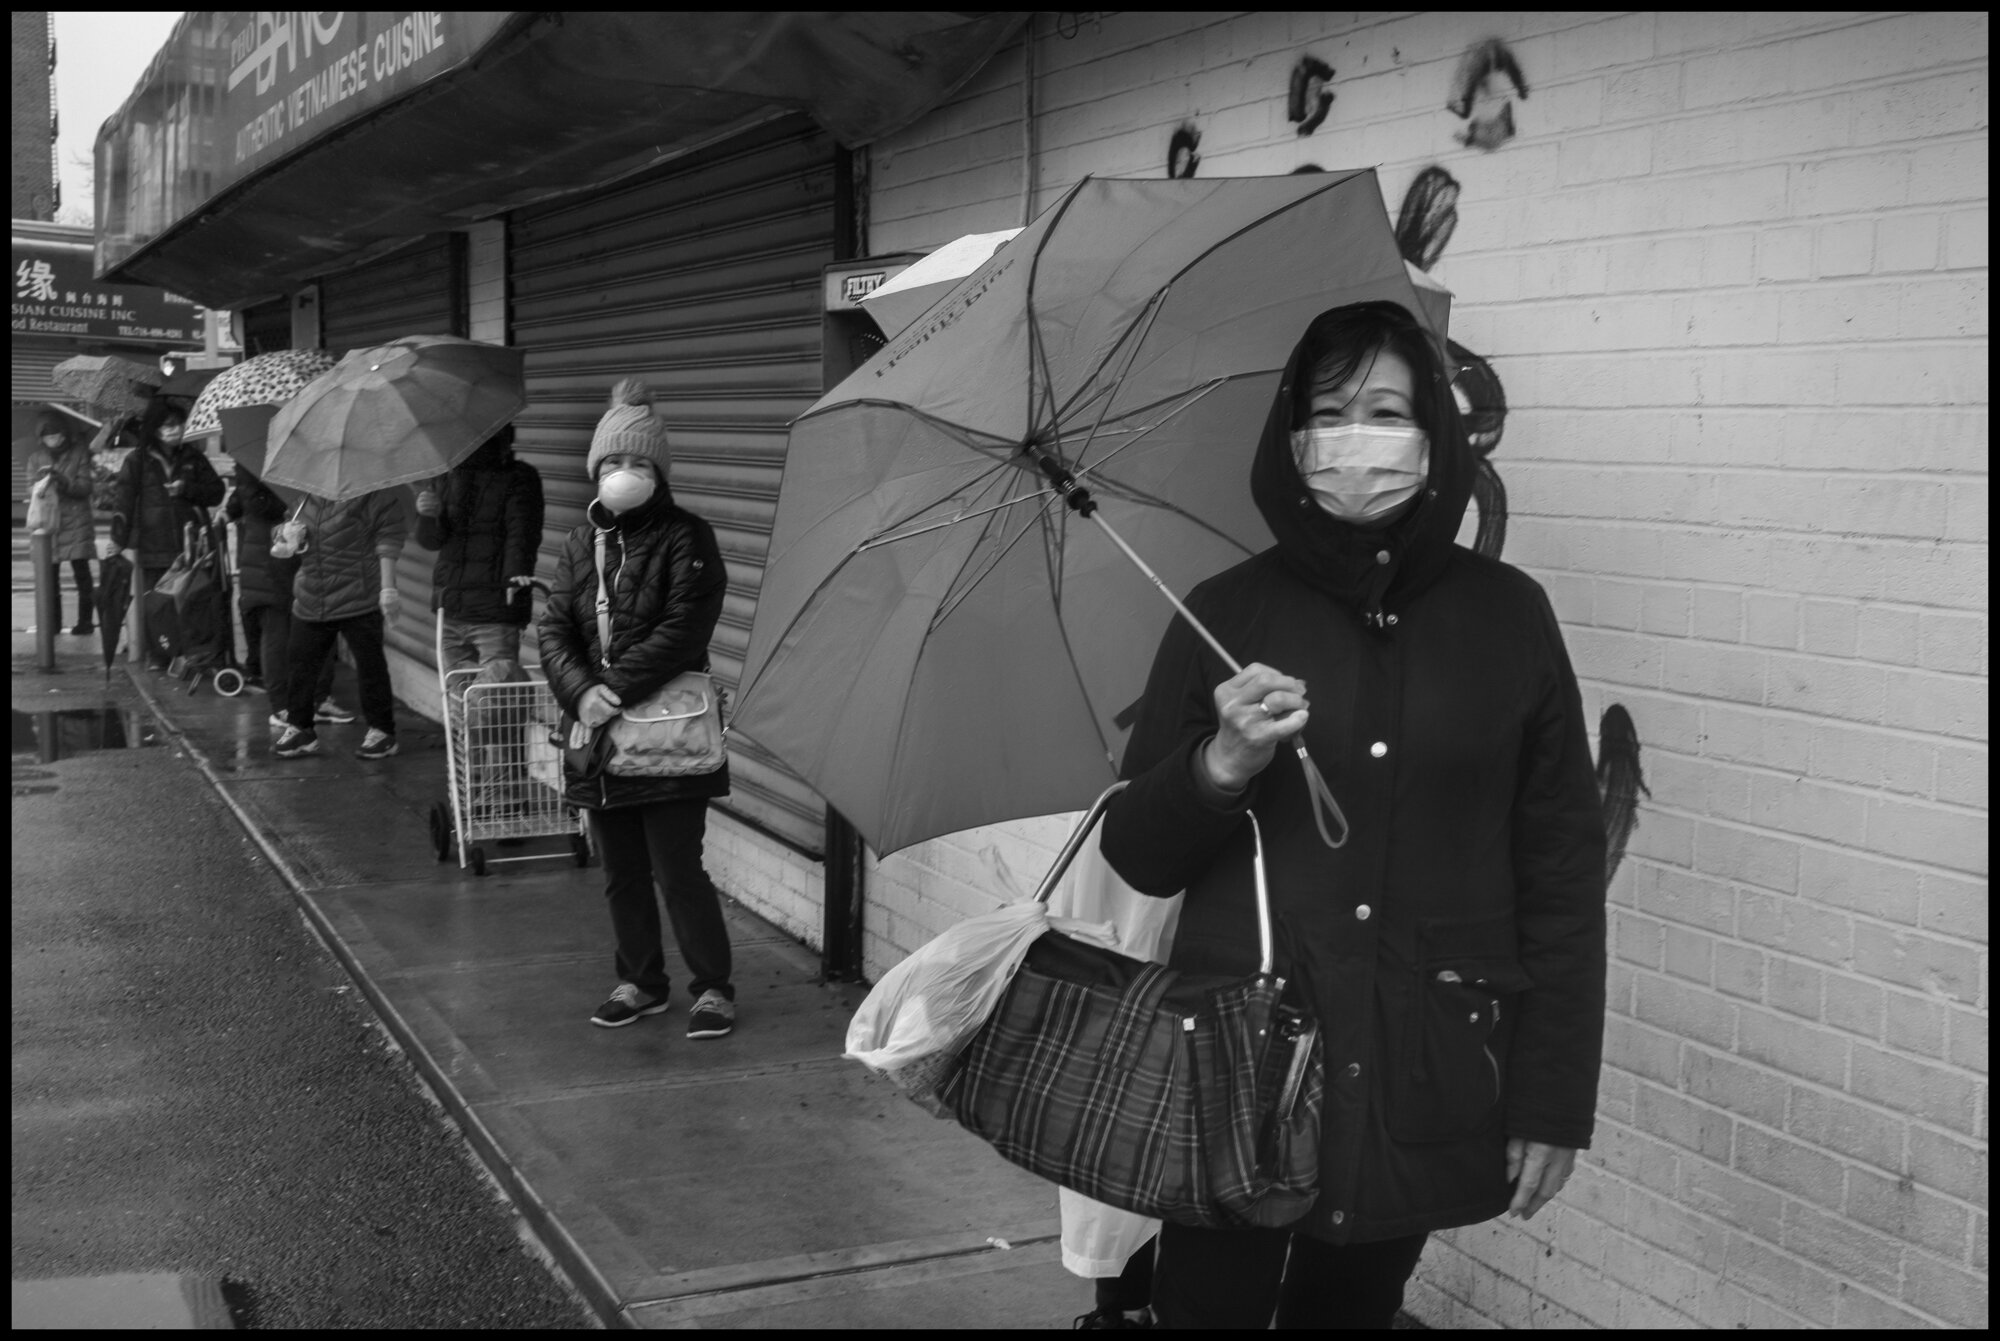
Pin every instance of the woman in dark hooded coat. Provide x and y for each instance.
(1453, 947)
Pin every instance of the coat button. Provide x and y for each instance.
(1379, 748)
(1472, 1018)
(1381, 556)
(1353, 1070)
(1392, 620)
(1339, 1216)
(1362, 912)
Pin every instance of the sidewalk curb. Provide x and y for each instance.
(562, 1252)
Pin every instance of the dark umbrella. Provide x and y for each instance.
(114, 593)
(188, 383)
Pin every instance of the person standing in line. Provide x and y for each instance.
(345, 588)
(666, 585)
(486, 524)
(62, 457)
(164, 487)
(264, 583)
(1453, 946)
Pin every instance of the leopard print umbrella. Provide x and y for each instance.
(267, 379)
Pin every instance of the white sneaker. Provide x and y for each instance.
(279, 719)
(329, 711)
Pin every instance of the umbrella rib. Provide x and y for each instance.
(959, 597)
(1055, 554)
(885, 538)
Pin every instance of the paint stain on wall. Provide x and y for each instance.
(1488, 80)
(1310, 98)
(1182, 160)
(1428, 217)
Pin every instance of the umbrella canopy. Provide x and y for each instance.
(28, 417)
(394, 414)
(114, 593)
(939, 642)
(108, 382)
(267, 379)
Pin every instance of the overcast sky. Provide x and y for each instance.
(99, 58)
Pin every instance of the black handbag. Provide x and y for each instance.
(1192, 1098)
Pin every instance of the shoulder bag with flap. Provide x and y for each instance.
(677, 730)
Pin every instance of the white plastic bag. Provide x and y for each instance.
(42, 506)
(1097, 1239)
(926, 1008)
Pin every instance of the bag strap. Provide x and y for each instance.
(1096, 813)
(603, 608)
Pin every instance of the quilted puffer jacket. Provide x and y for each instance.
(339, 576)
(667, 587)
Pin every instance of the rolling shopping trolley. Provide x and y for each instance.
(504, 777)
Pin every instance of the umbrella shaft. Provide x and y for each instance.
(1235, 666)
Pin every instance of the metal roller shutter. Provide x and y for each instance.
(418, 291)
(703, 277)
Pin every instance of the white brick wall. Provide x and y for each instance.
(1733, 274)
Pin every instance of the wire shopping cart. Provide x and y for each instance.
(504, 776)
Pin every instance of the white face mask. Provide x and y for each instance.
(52, 441)
(1359, 472)
(624, 489)
(170, 434)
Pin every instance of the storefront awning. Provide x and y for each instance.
(261, 149)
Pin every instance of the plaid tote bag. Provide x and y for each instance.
(1187, 1097)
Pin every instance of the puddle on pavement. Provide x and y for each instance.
(59, 734)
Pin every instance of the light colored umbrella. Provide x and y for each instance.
(401, 412)
(108, 382)
(951, 624)
(267, 379)
(900, 301)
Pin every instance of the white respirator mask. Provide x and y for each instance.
(1359, 472)
(626, 488)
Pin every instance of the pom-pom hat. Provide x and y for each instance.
(630, 426)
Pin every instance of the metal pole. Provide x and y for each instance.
(42, 554)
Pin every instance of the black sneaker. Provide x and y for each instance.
(376, 745)
(712, 1016)
(292, 743)
(627, 1004)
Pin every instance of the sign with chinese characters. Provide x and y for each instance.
(54, 294)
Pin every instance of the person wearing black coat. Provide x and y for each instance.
(1453, 947)
(666, 581)
(164, 486)
(486, 524)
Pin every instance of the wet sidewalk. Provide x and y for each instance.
(752, 1181)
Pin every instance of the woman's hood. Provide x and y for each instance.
(1343, 560)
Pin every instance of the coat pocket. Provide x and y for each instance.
(1449, 1071)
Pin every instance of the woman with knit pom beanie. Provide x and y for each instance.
(666, 584)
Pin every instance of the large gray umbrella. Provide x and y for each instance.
(942, 639)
